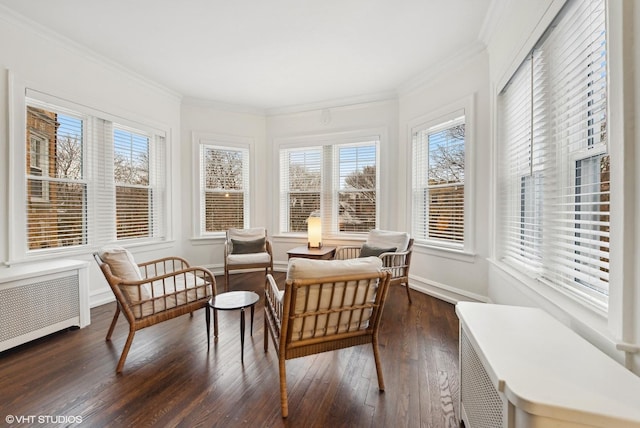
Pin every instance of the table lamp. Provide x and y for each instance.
(314, 232)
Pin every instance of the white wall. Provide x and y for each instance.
(442, 273)
(59, 68)
(202, 118)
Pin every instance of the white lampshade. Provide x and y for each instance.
(314, 232)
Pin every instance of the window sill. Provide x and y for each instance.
(48, 254)
(209, 239)
(449, 253)
(588, 320)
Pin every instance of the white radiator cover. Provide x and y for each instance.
(482, 405)
(522, 368)
(42, 298)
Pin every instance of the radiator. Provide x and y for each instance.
(481, 404)
(40, 299)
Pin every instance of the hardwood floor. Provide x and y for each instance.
(171, 379)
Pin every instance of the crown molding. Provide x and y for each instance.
(12, 17)
(334, 103)
(222, 106)
(489, 25)
(451, 63)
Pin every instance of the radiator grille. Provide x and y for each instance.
(31, 307)
(481, 401)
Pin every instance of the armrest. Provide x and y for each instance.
(272, 291)
(393, 258)
(396, 263)
(273, 307)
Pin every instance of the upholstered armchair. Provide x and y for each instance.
(155, 291)
(393, 248)
(325, 305)
(247, 249)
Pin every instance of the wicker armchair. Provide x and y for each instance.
(394, 248)
(155, 291)
(326, 305)
(247, 249)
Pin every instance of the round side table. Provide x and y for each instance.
(233, 300)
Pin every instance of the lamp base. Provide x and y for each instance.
(318, 246)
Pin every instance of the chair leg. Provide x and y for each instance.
(226, 280)
(266, 332)
(207, 319)
(284, 403)
(113, 323)
(376, 357)
(406, 284)
(125, 351)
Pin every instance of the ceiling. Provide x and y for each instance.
(269, 54)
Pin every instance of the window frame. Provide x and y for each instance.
(285, 187)
(223, 142)
(156, 155)
(462, 107)
(39, 140)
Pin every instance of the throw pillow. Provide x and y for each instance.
(248, 247)
(121, 263)
(368, 251)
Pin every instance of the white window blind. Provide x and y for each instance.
(90, 181)
(300, 187)
(438, 182)
(357, 188)
(554, 175)
(138, 161)
(336, 181)
(224, 187)
(56, 186)
(522, 131)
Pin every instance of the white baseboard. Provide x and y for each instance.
(444, 292)
(100, 298)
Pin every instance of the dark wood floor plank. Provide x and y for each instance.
(171, 379)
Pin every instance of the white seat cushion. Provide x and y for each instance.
(388, 239)
(244, 259)
(187, 282)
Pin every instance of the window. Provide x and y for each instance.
(301, 186)
(337, 182)
(224, 187)
(137, 168)
(56, 190)
(439, 165)
(356, 194)
(81, 169)
(554, 173)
